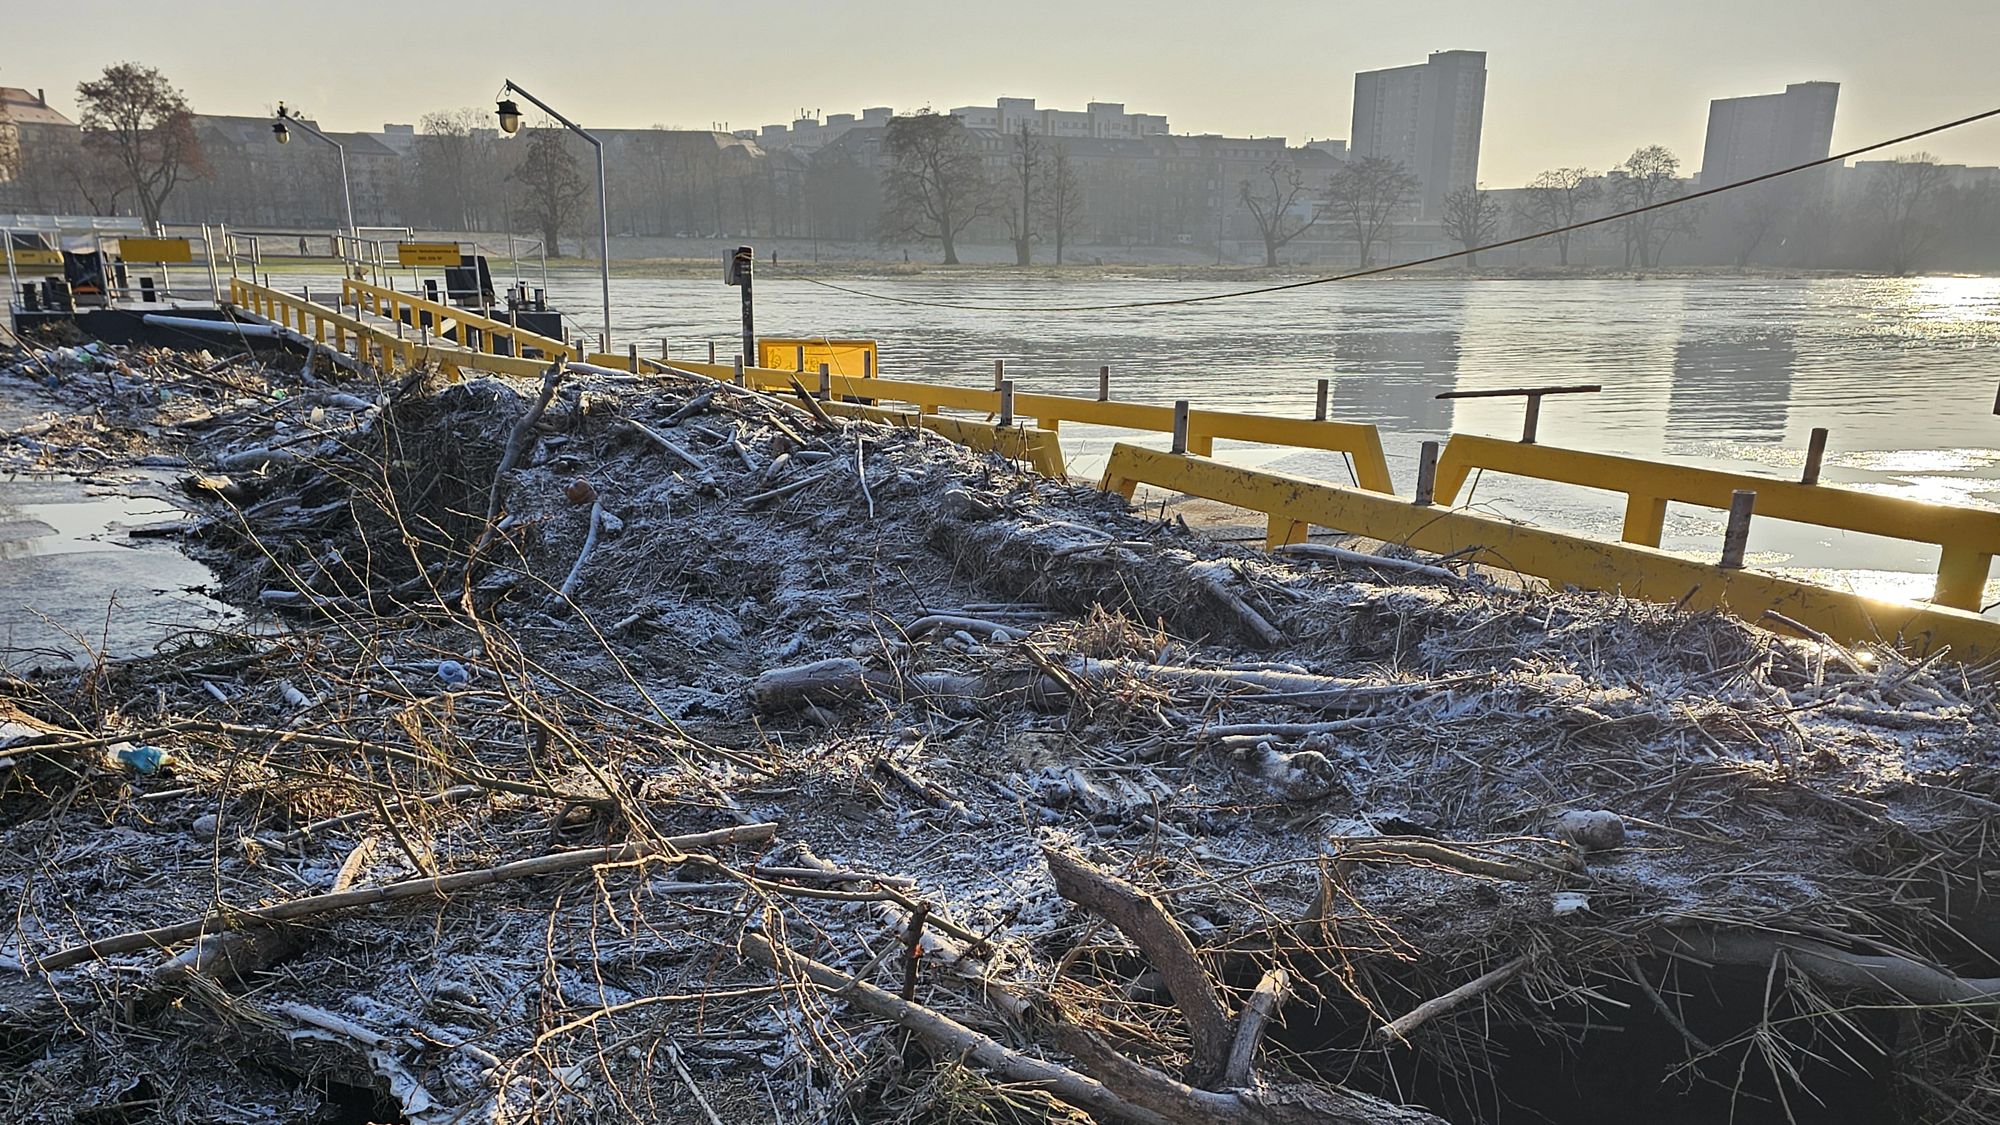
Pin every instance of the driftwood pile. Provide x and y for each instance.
(663, 751)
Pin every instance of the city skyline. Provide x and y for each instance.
(1650, 79)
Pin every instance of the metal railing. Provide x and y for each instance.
(475, 332)
(368, 343)
(1970, 537)
(1632, 570)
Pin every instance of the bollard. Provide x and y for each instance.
(1427, 471)
(1319, 411)
(1104, 383)
(711, 357)
(1736, 537)
(738, 379)
(1007, 402)
(999, 369)
(1815, 451)
(1180, 425)
(825, 383)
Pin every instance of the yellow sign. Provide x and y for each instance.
(427, 253)
(167, 250)
(33, 258)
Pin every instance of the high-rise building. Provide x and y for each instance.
(1750, 136)
(1425, 117)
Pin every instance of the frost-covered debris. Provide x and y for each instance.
(700, 708)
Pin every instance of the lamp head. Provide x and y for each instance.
(510, 116)
(278, 127)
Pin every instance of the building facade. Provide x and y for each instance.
(1763, 133)
(1426, 117)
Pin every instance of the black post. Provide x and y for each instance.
(746, 260)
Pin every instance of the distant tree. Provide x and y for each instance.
(1559, 197)
(1470, 217)
(1902, 197)
(552, 188)
(91, 174)
(1756, 212)
(1651, 176)
(1366, 196)
(136, 119)
(1062, 198)
(936, 184)
(1024, 190)
(458, 163)
(1271, 204)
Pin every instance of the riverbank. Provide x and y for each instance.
(664, 745)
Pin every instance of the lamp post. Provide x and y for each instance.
(510, 123)
(281, 130)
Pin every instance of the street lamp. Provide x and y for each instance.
(510, 123)
(280, 129)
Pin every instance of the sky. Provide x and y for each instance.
(1568, 82)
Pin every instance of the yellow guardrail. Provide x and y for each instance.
(476, 333)
(1970, 537)
(1632, 570)
(368, 343)
(806, 353)
(1360, 441)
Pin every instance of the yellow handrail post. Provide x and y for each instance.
(1645, 519)
(1961, 578)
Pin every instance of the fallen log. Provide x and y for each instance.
(1902, 978)
(314, 905)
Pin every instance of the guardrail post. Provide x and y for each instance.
(1736, 537)
(711, 359)
(802, 359)
(632, 357)
(1427, 466)
(1104, 383)
(1006, 402)
(1319, 410)
(1815, 451)
(825, 383)
(1961, 578)
(999, 372)
(1533, 419)
(1180, 425)
(663, 351)
(738, 379)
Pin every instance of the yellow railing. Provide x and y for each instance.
(1970, 537)
(1361, 441)
(367, 342)
(1632, 570)
(476, 333)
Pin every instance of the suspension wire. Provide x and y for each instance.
(1432, 260)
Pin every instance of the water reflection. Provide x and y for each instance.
(1390, 364)
(1731, 386)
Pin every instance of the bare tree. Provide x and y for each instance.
(1366, 196)
(1470, 217)
(134, 116)
(1271, 206)
(1062, 197)
(1650, 176)
(553, 188)
(1024, 191)
(1903, 197)
(1757, 211)
(936, 185)
(1559, 197)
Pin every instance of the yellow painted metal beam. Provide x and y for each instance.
(1634, 571)
(1970, 536)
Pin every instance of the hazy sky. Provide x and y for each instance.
(1568, 81)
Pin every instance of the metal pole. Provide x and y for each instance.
(1736, 536)
(1815, 451)
(1319, 411)
(1104, 383)
(603, 203)
(738, 378)
(825, 383)
(1007, 403)
(1427, 470)
(999, 373)
(711, 355)
(749, 353)
(1533, 420)
(1180, 425)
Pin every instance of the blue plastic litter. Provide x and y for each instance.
(453, 673)
(145, 759)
